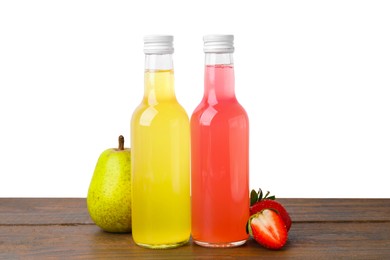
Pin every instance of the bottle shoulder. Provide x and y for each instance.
(229, 106)
(170, 112)
(206, 113)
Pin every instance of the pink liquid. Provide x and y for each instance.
(220, 164)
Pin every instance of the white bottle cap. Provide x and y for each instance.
(218, 43)
(158, 44)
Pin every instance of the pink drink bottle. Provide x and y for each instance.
(219, 153)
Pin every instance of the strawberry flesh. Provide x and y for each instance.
(274, 205)
(268, 229)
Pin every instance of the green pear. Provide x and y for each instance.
(109, 194)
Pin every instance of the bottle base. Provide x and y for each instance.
(220, 245)
(162, 246)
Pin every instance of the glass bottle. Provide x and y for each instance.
(160, 153)
(219, 153)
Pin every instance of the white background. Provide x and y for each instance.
(314, 77)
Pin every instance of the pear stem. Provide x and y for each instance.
(121, 141)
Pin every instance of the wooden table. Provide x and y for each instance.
(40, 228)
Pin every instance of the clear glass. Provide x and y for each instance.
(160, 151)
(220, 159)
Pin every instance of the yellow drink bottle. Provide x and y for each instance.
(160, 150)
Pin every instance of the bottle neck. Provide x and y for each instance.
(158, 62)
(219, 77)
(159, 78)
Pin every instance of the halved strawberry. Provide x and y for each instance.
(258, 203)
(268, 229)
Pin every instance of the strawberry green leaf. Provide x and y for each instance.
(254, 197)
(260, 195)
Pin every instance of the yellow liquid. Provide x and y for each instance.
(160, 150)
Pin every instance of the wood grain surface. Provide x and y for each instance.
(56, 228)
